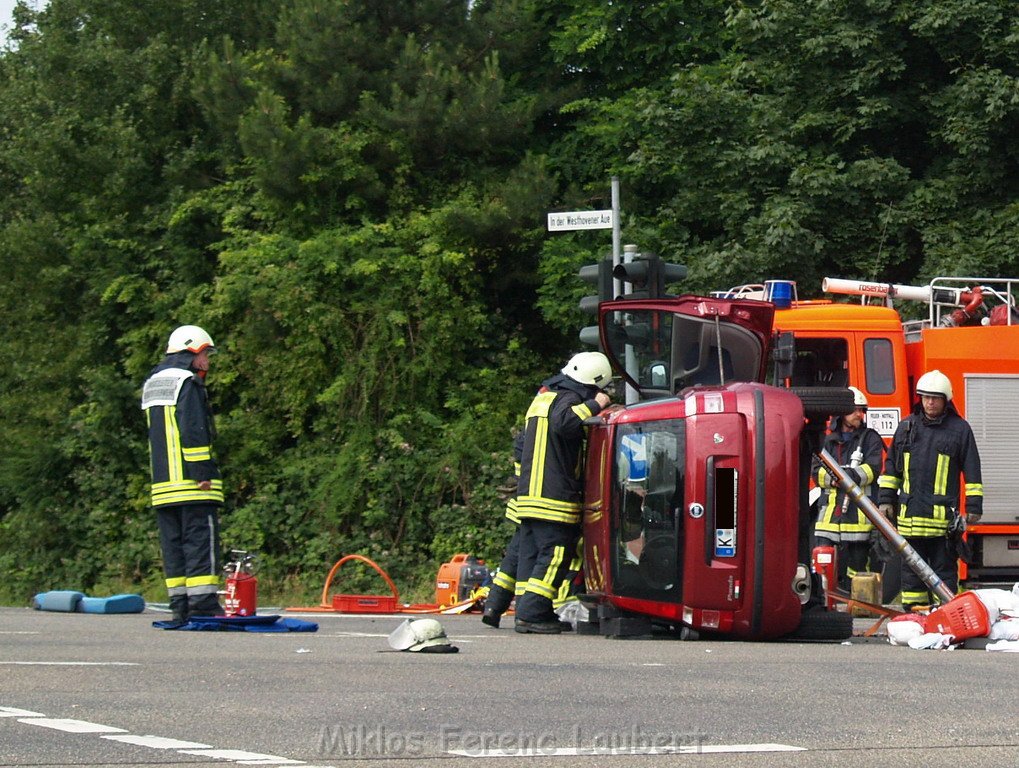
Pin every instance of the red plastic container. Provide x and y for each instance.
(364, 603)
(962, 617)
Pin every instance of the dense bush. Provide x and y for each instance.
(350, 197)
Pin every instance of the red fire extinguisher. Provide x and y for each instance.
(241, 597)
(824, 562)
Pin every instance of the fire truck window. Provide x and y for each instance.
(647, 526)
(879, 366)
(821, 363)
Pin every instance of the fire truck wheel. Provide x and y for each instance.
(823, 625)
(822, 402)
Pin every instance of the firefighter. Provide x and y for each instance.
(840, 523)
(187, 491)
(550, 488)
(920, 483)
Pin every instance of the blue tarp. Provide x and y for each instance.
(240, 624)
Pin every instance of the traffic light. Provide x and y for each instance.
(648, 275)
(600, 275)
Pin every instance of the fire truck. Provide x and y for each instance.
(697, 507)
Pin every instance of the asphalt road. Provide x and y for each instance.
(88, 690)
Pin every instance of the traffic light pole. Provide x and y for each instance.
(631, 356)
(617, 238)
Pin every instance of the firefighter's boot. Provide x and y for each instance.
(496, 603)
(205, 605)
(179, 608)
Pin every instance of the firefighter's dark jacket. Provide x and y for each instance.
(550, 486)
(922, 471)
(850, 524)
(180, 434)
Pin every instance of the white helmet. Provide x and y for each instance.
(934, 384)
(859, 399)
(189, 338)
(418, 634)
(589, 368)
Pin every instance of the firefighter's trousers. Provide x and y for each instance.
(547, 550)
(189, 538)
(935, 552)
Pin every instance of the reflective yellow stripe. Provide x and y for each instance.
(941, 475)
(548, 509)
(202, 581)
(582, 411)
(558, 555)
(974, 489)
(889, 481)
(922, 527)
(505, 581)
(204, 453)
(176, 581)
(538, 459)
(173, 449)
(185, 491)
(540, 588)
(868, 473)
(905, 472)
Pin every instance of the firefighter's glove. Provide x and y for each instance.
(888, 511)
(957, 527)
(880, 547)
(957, 546)
(856, 475)
(972, 518)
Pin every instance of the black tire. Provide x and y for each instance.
(822, 402)
(823, 625)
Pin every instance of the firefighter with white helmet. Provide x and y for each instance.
(187, 490)
(550, 486)
(920, 485)
(840, 522)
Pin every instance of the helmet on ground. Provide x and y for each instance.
(934, 384)
(418, 634)
(590, 368)
(859, 399)
(189, 338)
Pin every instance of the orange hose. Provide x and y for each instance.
(329, 579)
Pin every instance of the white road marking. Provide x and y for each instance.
(242, 757)
(72, 663)
(157, 742)
(239, 756)
(14, 712)
(70, 726)
(18, 632)
(635, 750)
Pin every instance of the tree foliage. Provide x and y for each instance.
(349, 195)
